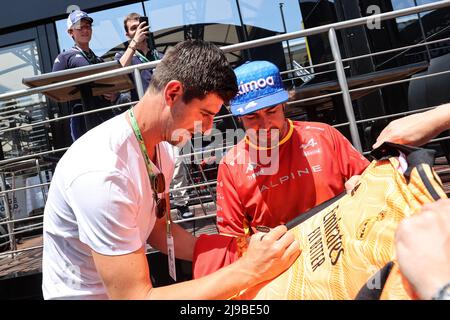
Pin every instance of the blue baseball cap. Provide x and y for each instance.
(76, 16)
(260, 86)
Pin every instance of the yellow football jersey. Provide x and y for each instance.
(347, 243)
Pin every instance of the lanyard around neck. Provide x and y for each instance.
(141, 57)
(144, 59)
(151, 168)
(91, 61)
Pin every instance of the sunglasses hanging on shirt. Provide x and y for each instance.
(158, 184)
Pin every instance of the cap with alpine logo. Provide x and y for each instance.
(76, 16)
(260, 86)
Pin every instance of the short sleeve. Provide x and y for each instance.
(60, 63)
(351, 161)
(106, 206)
(118, 55)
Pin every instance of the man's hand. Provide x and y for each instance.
(112, 96)
(269, 254)
(416, 129)
(423, 248)
(351, 183)
(141, 35)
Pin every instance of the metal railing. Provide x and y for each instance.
(339, 68)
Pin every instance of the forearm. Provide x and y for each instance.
(222, 284)
(440, 118)
(184, 241)
(125, 60)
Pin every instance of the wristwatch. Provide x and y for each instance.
(135, 44)
(443, 293)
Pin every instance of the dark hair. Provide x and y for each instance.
(200, 66)
(131, 16)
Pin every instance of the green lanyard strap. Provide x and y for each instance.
(141, 57)
(144, 59)
(151, 168)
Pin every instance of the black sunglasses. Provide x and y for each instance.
(158, 184)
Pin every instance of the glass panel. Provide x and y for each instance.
(436, 26)
(17, 62)
(173, 21)
(166, 14)
(421, 2)
(402, 4)
(403, 22)
(107, 29)
(267, 14)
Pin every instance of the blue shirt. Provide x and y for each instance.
(146, 74)
(75, 58)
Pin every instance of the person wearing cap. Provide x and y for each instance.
(79, 28)
(109, 194)
(282, 167)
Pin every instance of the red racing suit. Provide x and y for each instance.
(313, 163)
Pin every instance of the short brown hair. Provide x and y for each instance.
(200, 66)
(130, 17)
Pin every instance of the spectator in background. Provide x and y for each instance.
(79, 28)
(137, 52)
(179, 180)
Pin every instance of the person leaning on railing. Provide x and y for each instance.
(423, 241)
(137, 52)
(79, 28)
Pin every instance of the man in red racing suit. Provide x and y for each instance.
(279, 170)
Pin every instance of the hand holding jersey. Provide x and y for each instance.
(348, 242)
(423, 243)
(416, 129)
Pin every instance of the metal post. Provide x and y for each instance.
(8, 214)
(422, 30)
(244, 29)
(138, 81)
(344, 87)
(41, 181)
(285, 31)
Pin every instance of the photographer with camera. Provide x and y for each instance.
(141, 49)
